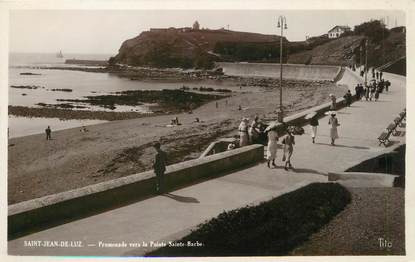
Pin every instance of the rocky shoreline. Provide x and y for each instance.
(69, 114)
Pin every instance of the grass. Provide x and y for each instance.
(272, 228)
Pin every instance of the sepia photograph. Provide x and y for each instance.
(206, 132)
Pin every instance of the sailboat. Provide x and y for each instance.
(59, 55)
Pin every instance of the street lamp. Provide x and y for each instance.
(366, 62)
(282, 23)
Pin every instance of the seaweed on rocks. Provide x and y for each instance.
(166, 98)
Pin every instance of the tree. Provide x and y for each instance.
(374, 29)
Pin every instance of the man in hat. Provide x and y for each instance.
(159, 167)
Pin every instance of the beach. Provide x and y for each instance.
(74, 159)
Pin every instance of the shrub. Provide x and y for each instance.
(271, 228)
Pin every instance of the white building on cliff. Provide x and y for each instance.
(337, 31)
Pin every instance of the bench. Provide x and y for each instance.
(384, 138)
(397, 120)
(402, 115)
(392, 128)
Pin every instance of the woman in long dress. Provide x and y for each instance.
(289, 143)
(334, 122)
(243, 132)
(272, 147)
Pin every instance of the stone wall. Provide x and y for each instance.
(41, 213)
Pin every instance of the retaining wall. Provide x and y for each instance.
(290, 71)
(66, 206)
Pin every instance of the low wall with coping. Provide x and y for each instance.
(66, 206)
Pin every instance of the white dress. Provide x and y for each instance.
(272, 145)
(243, 134)
(333, 130)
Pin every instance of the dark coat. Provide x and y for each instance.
(160, 162)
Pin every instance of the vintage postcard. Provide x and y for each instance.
(197, 131)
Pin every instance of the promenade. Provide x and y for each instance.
(171, 216)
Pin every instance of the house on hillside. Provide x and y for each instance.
(337, 31)
(196, 25)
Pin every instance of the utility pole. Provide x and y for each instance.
(366, 62)
(282, 23)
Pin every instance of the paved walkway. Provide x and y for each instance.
(172, 216)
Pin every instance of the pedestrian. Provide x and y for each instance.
(334, 122)
(373, 72)
(381, 86)
(360, 92)
(387, 85)
(254, 130)
(372, 91)
(48, 132)
(377, 92)
(357, 91)
(367, 92)
(272, 147)
(380, 75)
(243, 132)
(333, 102)
(377, 75)
(159, 167)
(289, 143)
(217, 105)
(313, 125)
(348, 98)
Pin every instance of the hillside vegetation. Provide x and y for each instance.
(383, 46)
(194, 48)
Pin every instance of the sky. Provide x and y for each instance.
(103, 31)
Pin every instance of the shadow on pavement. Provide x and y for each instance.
(337, 145)
(307, 170)
(181, 198)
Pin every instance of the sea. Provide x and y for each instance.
(81, 83)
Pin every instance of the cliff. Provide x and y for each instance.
(185, 48)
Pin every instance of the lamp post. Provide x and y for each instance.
(282, 23)
(366, 63)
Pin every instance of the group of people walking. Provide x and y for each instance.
(288, 142)
(373, 90)
(257, 133)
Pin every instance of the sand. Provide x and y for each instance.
(74, 159)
